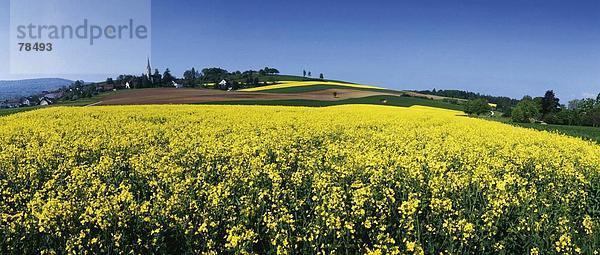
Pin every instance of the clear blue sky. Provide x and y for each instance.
(498, 47)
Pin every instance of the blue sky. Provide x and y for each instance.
(504, 47)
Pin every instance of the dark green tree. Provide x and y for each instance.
(549, 103)
(167, 77)
(477, 107)
(190, 77)
(145, 82)
(156, 77)
(214, 74)
(593, 117)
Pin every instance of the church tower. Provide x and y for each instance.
(150, 72)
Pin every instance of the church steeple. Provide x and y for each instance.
(149, 71)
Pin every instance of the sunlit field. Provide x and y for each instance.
(293, 84)
(271, 179)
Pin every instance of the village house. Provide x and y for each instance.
(12, 103)
(45, 101)
(177, 85)
(54, 95)
(224, 85)
(33, 100)
(25, 102)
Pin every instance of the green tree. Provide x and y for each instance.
(477, 107)
(321, 76)
(167, 77)
(156, 77)
(268, 71)
(145, 83)
(563, 117)
(549, 103)
(190, 76)
(214, 74)
(586, 104)
(593, 117)
(526, 110)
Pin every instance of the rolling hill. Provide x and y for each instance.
(20, 88)
(292, 92)
(303, 86)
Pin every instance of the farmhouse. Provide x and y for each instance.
(25, 102)
(54, 95)
(46, 101)
(223, 84)
(177, 85)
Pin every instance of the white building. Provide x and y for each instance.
(45, 101)
(177, 85)
(223, 84)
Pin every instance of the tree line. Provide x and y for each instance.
(211, 77)
(207, 77)
(504, 104)
(546, 109)
(580, 112)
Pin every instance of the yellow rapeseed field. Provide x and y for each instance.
(260, 179)
(291, 84)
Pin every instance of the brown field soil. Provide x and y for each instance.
(433, 97)
(190, 96)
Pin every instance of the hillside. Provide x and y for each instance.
(384, 100)
(286, 86)
(282, 92)
(28, 87)
(503, 104)
(195, 95)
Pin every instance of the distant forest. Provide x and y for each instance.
(505, 104)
